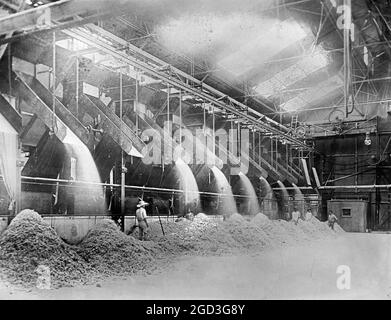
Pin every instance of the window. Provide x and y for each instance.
(346, 212)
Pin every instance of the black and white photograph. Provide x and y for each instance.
(213, 152)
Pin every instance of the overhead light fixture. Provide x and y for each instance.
(367, 140)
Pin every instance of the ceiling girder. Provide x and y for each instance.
(206, 92)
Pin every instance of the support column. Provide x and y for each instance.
(77, 87)
(123, 168)
(214, 134)
(259, 150)
(18, 190)
(347, 65)
(137, 106)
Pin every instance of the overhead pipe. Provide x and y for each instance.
(65, 181)
(373, 186)
(293, 188)
(71, 183)
(381, 186)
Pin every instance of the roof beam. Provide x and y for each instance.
(207, 93)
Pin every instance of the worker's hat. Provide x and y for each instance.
(142, 203)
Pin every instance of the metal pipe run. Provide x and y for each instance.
(374, 186)
(292, 188)
(143, 188)
(74, 183)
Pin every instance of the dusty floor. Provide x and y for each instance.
(301, 272)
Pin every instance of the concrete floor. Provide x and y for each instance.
(300, 272)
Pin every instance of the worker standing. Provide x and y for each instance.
(308, 214)
(332, 219)
(141, 215)
(295, 215)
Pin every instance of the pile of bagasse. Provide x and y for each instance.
(29, 242)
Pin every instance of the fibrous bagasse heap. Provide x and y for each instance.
(29, 242)
(207, 235)
(111, 252)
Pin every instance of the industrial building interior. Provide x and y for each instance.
(211, 107)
